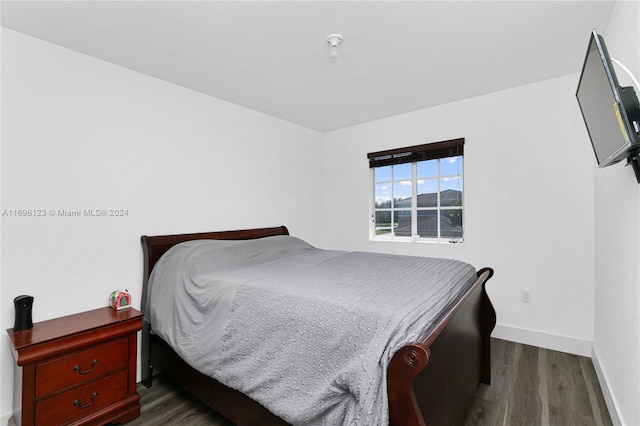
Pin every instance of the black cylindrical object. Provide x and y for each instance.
(24, 305)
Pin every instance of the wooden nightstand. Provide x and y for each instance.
(79, 369)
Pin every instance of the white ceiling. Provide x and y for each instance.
(272, 57)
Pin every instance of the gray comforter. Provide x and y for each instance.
(306, 332)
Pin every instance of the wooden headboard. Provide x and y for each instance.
(154, 247)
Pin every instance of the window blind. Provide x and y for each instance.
(428, 151)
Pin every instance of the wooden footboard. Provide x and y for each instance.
(435, 382)
(429, 383)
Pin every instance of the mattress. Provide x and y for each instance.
(306, 332)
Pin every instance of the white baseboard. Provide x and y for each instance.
(609, 399)
(7, 420)
(540, 339)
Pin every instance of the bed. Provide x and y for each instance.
(430, 381)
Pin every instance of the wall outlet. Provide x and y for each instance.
(525, 296)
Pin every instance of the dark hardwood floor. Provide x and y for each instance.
(534, 386)
(530, 386)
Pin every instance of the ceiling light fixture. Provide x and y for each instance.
(334, 40)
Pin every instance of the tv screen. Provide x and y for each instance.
(609, 111)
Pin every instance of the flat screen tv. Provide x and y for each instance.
(610, 112)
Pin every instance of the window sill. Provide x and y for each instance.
(417, 240)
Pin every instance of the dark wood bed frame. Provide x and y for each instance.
(432, 382)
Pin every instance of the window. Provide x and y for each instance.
(418, 192)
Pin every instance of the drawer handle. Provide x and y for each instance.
(93, 364)
(78, 404)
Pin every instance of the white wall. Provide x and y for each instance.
(79, 133)
(528, 202)
(616, 344)
(3, 408)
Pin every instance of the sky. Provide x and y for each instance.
(396, 181)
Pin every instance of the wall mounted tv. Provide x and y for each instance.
(610, 112)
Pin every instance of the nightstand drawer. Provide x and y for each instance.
(81, 366)
(81, 401)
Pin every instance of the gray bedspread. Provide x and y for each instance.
(308, 333)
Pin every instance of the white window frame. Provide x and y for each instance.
(414, 209)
